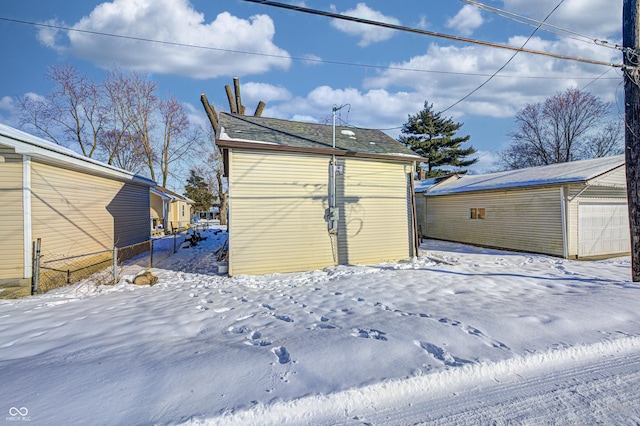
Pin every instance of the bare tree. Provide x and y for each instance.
(177, 136)
(121, 121)
(572, 125)
(212, 171)
(74, 109)
(116, 143)
(138, 102)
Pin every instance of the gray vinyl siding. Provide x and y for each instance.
(12, 222)
(77, 213)
(528, 220)
(129, 209)
(276, 213)
(374, 208)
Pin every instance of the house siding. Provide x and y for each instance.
(614, 178)
(68, 211)
(278, 206)
(373, 200)
(528, 220)
(276, 213)
(12, 223)
(156, 204)
(129, 209)
(77, 213)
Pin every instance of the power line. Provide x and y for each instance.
(302, 59)
(505, 64)
(541, 25)
(428, 33)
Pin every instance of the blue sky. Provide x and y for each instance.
(301, 65)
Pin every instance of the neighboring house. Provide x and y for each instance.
(421, 186)
(282, 217)
(574, 210)
(74, 204)
(212, 214)
(170, 212)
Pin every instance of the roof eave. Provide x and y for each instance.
(42, 153)
(243, 144)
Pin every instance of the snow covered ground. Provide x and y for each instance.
(462, 335)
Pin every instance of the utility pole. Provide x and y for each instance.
(631, 45)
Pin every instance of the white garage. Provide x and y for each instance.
(575, 210)
(603, 228)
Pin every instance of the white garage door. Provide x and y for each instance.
(603, 229)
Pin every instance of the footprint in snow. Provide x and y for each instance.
(441, 354)
(283, 355)
(475, 332)
(284, 318)
(255, 339)
(369, 334)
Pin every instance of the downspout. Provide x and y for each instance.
(26, 210)
(563, 209)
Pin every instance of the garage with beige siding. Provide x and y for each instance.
(73, 205)
(12, 222)
(280, 185)
(575, 210)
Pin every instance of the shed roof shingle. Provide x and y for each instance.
(309, 135)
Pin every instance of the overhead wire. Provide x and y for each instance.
(427, 32)
(505, 64)
(500, 69)
(295, 58)
(542, 25)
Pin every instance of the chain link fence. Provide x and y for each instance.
(104, 267)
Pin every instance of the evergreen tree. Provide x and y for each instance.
(198, 190)
(430, 135)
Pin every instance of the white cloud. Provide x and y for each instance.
(367, 33)
(197, 115)
(311, 59)
(595, 18)
(376, 108)
(466, 20)
(502, 96)
(174, 21)
(487, 163)
(256, 92)
(423, 23)
(8, 111)
(6, 103)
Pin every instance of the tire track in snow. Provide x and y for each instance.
(598, 393)
(577, 385)
(572, 395)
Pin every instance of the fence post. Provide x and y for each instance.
(115, 265)
(151, 253)
(35, 274)
(174, 243)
